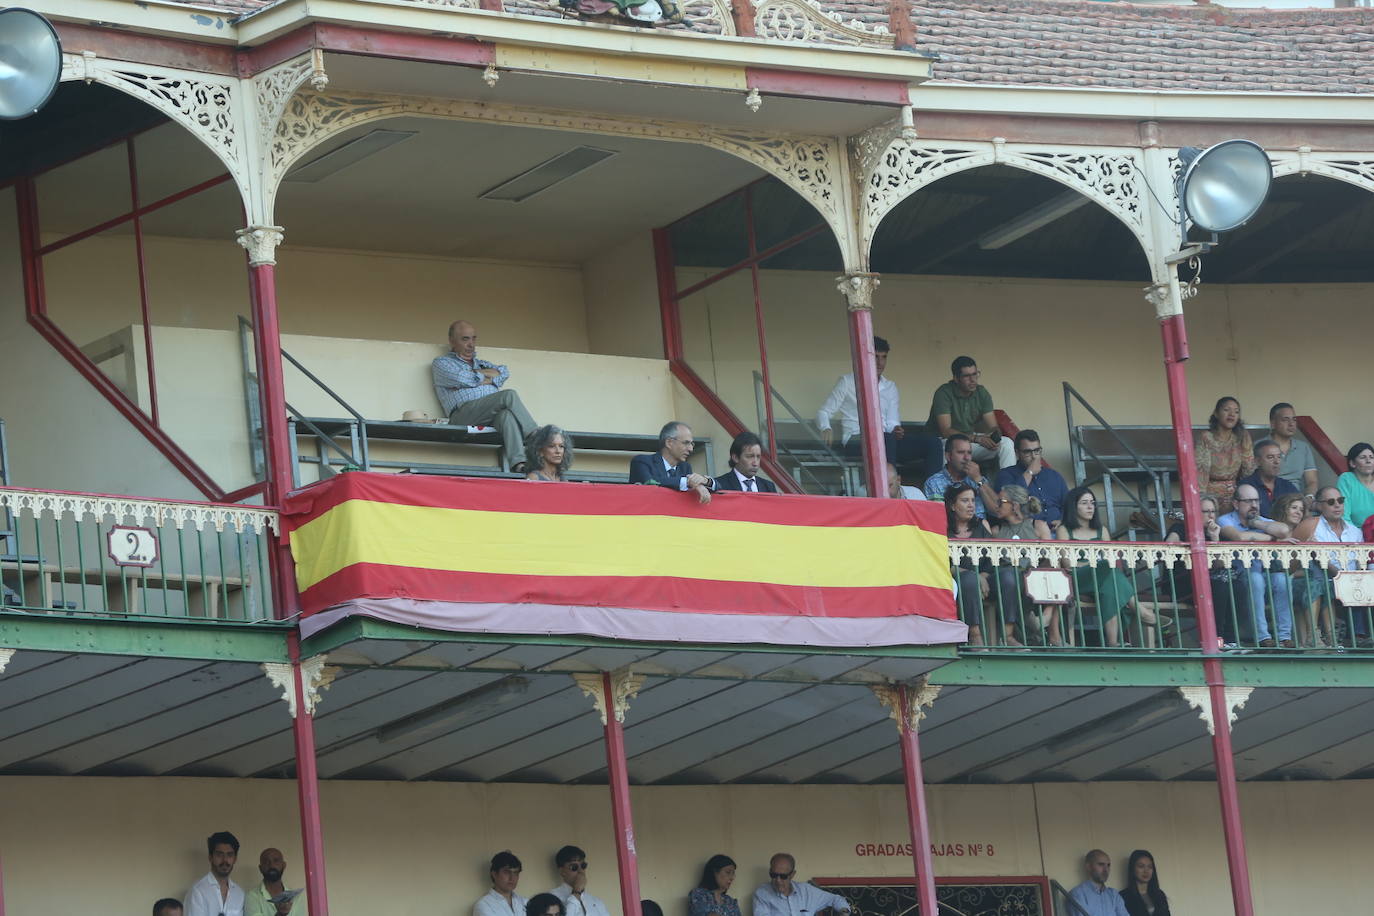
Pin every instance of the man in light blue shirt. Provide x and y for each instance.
(1093, 897)
(782, 896)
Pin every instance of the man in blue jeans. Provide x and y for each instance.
(1267, 587)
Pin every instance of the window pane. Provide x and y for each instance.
(91, 293)
(714, 236)
(779, 213)
(197, 287)
(83, 193)
(171, 160)
(720, 343)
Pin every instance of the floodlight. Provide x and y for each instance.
(1221, 187)
(30, 63)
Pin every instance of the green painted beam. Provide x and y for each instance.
(160, 638)
(1070, 671)
(362, 628)
(1250, 671)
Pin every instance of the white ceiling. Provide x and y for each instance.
(421, 195)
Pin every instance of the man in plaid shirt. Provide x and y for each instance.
(469, 389)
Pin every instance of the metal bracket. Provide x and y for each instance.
(919, 695)
(1200, 698)
(315, 676)
(624, 686)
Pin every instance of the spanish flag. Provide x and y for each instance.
(625, 562)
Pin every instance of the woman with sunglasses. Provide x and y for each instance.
(1329, 527)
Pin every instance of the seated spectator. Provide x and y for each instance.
(746, 454)
(783, 895)
(1112, 588)
(1307, 585)
(1230, 597)
(545, 905)
(1015, 511)
(1331, 527)
(167, 906)
(669, 466)
(974, 579)
(502, 900)
(960, 467)
(895, 488)
(1224, 453)
(1357, 484)
(1030, 471)
(1246, 524)
(1266, 479)
(650, 908)
(1299, 463)
(903, 446)
(711, 895)
(962, 405)
(1093, 896)
(548, 454)
(468, 390)
(1142, 894)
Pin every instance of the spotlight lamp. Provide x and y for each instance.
(30, 63)
(1219, 189)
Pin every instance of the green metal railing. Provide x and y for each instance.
(1135, 596)
(73, 553)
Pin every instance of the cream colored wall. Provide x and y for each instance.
(406, 849)
(621, 289)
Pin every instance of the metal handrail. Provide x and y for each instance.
(805, 424)
(1058, 890)
(362, 458)
(1079, 446)
(1068, 410)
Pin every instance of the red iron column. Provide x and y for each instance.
(261, 243)
(306, 681)
(905, 701)
(1219, 722)
(858, 292)
(611, 692)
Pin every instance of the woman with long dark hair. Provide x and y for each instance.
(1113, 590)
(1142, 893)
(974, 579)
(1224, 453)
(710, 897)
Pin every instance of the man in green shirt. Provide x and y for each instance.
(258, 901)
(962, 405)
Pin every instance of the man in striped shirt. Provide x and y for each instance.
(469, 389)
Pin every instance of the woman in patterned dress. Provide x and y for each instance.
(1224, 453)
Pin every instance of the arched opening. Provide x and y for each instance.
(545, 240)
(125, 230)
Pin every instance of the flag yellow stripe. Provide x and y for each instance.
(427, 537)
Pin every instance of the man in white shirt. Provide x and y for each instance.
(572, 868)
(215, 894)
(904, 446)
(895, 488)
(783, 896)
(502, 900)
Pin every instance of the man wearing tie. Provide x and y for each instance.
(669, 467)
(746, 454)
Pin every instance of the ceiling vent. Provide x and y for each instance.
(547, 174)
(341, 157)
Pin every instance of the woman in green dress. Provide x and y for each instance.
(1113, 591)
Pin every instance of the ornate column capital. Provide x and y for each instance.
(1200, 698)
(857, 289)
(917, 695)
(261, 243)
(315, 676)
(624, 685)
(5, 656)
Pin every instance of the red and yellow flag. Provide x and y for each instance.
(631, 562)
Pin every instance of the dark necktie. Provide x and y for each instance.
(749, 484)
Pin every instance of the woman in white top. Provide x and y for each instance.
(1327, 527)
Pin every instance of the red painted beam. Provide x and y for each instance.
(113, 44)
(1321, 444)
(343, 39)
(866, 391)
(307, 788)
(828, 86)
(918, 820)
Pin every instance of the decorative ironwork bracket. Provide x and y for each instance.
(624, 686)
(1200, 698)
(919, 695)
(315, 676)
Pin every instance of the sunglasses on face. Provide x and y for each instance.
(1335, 501)
(780, 876)
(575, 866)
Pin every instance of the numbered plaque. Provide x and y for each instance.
(131, 546)
(1355, 587)
(1049, 586)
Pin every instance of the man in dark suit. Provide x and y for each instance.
(669, 467)
(746, 454)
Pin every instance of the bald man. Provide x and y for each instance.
(271, 865)
(469, 389)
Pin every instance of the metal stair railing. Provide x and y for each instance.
(1078, 447)
(830, 454)
(1071, 906)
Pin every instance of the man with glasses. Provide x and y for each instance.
(668, 467)
(1245, 523)
(502, 900)
(963, 405)
(1299, 465)
(215, 894)
(572, 868)
(1043, 482)
(783, 896)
